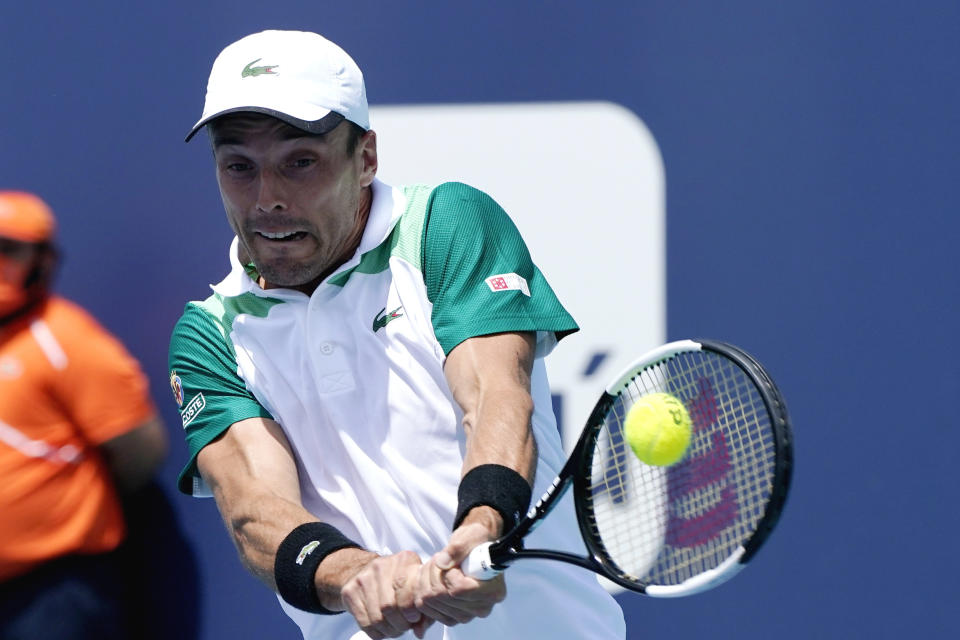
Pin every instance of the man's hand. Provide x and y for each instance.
(380, 596)
(444, 592)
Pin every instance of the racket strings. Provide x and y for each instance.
(665, 525)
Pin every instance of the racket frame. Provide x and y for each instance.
(492, 558)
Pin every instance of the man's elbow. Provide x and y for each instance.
(252, 557)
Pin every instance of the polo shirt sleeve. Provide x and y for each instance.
(207, 387)
(479, 274)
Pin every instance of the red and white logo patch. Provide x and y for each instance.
(508, 282)
(177, 387)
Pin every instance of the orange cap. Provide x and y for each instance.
(25, 217)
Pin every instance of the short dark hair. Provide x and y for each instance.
(353, 136)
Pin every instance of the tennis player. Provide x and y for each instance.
(364, 393)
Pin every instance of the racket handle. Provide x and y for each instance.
(479, 565)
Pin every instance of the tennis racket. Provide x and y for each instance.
(677, 530)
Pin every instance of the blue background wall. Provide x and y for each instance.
(811, 152)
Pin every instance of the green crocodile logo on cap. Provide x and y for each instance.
(251, 71)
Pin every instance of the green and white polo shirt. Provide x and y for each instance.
(354, 372)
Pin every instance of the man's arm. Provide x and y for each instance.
(253, 475)
(490, 380)
(134, 456)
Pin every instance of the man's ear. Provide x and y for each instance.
(368, 153)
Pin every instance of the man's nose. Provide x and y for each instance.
(270, 196)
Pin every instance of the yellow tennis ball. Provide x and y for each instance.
(658, 429)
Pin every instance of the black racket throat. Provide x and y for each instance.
(510, 547)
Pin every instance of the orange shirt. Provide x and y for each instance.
(66, 386)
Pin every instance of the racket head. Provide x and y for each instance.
(677, 530)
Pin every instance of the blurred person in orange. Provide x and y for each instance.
(78, 432)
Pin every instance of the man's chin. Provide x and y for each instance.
(276, 276)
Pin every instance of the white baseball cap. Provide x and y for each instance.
(297, 76)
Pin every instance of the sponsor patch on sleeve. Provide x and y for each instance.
(177, 387)
(508, 282)
(193, 409)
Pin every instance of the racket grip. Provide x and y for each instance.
(478, 564)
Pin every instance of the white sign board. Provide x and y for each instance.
(584, 183)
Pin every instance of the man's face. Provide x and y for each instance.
(17, 260)
(294, 200)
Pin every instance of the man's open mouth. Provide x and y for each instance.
(283, 236)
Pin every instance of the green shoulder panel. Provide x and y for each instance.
(409, 244)
(458, 237)
(478, 271)
(204, 373)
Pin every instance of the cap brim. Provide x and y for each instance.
(316, 127)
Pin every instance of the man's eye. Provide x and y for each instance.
(301, 163)
(238, 166)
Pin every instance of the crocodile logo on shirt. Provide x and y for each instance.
(251, 71)
(381, 320)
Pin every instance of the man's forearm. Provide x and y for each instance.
(258, 529)
(498, 432)
(258, 532)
